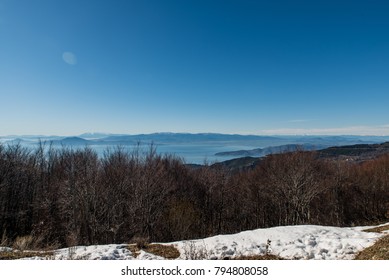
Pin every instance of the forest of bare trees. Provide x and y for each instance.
(68, 197)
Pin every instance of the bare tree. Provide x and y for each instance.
(294, 180)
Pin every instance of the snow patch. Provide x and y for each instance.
(290, 242)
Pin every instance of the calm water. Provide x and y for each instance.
(190, 153)
(197, 154)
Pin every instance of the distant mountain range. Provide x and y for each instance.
(356, 153)
(273, 150)
(360, 151)
(194, 148)
(283, 142)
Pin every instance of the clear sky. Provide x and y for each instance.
(142, 66)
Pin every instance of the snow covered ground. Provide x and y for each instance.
(289, 242)
(292, 242)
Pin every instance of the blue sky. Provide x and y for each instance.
(249, 67)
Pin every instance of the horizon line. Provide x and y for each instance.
(199, 133)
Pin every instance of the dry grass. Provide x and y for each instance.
(267, 257)
(24, 247)
(377, 229)
(135, 251)
(379, 251)
(165, 251)
(28, 242)
(13, 255)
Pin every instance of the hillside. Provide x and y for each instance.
(238, 164)
(356, 152)
(251, 158)
(260, 152)
(71, 141)
(306, 242)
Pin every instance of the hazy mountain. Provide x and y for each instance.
(359, 151)
(273, 150)
(94, 135)
(168, 137)
(161, 138)
(195, 148)
(72, 141)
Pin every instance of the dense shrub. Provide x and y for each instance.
(71, 197)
